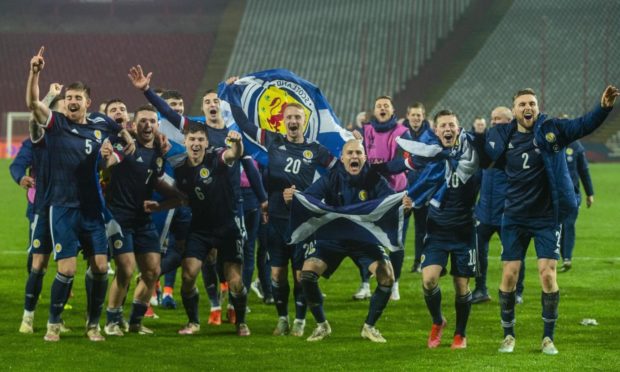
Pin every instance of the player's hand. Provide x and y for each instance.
(287, 194)
(589, 201)
(55, 89)
(26, 182)
(264, 212)
(233, 137)
(106, 150)
(407, 204)
(163, 143)
(357, 135)
(231, 80)
(138, 79)
(37, 62)
(151, 206)
(130, 146)
(609, 96)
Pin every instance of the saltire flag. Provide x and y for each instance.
(442, 164)
(262, 96)
(379, 221)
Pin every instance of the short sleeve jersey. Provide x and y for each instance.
(73, 152)
(133, 182)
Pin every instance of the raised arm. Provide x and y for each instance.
(233, 153)
(142, 82)
(255, 179)
(38, 108)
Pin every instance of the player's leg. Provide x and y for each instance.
(462, 267)
(381, 267)
(363, 292)
(263, 266)
(462, 305)
(64, 237)
(547, 243)
(123, 253)
(148, 264)
(301, 306)
(279, 256)
(434, 260)
(419, 218)
(568, 240)
(210, 282)
(483, 235)
(190, 267)
(316, 264)
(515, 241)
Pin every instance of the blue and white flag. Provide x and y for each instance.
(460, 161)
(378, 221)
(264, 95)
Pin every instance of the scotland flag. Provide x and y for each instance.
(264, 95)
(377, 221)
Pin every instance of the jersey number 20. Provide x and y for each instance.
(292, 165)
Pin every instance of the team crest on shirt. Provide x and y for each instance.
(159, 162)
(118, 244)
(204, 173)
(36, 243)
(97, 134)
(363, 195)
(550, 137)
(569, 151)
(58, 247)
(422, 258)
(308, 154)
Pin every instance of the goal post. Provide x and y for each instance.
(16, 130)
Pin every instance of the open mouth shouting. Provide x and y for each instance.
(355, 166)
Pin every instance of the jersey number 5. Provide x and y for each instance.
(88, 146)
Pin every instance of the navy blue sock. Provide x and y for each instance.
(312, 292)
(397, 258)
(190, 302)
(99, 287)
(550, 303)
(240, 303)
(507, 302)
(114, 315)
(462, 305)
(138, 310)
(60, 289)
(378, 302)
(280, 296)
(209, 278)
(33, 289)
(432, 297)
(300, 302)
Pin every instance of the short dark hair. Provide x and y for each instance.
(195, 127)
(385, 97)
(209, 91)
(78, 85)
(146, 107)
(419, 105)
(444, 112)
(171, 94)
(523, 92)
(113, 100)
(54, 103)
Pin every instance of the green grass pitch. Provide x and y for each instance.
(590, 290)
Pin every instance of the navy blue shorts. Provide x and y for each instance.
(280, 252)
(181, 222)
(70, 228)
(229, 246)
(40, 238)
(332, 252)
(516, 236)
(139, 240)
(456, 243)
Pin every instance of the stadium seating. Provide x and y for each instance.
(352, 56)
(538, 45)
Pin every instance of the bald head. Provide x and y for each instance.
(501, 115)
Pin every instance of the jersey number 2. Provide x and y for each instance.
(525, 157)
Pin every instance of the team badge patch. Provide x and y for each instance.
(118, 244)
(569, 151)
(58, 247)
(204, 173)
(550, 137)
(308, 154)
(422, 258)
(36, 243)
(159, 162)
(98, 134)
(363, 195)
